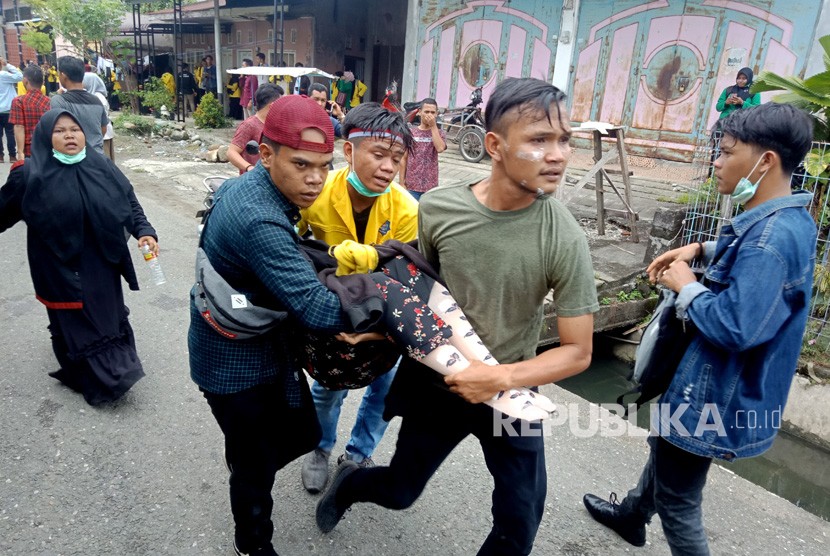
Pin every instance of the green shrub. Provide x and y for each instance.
(133, 123)
(155, 95)
(210, 113)
(126, 98)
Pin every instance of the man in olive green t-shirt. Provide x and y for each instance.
(500, 245)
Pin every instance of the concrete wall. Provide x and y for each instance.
(659, 67)
(348, 34)
(655, 67)
(9, 47)
(460, 46)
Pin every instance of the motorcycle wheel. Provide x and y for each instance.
(471, 144)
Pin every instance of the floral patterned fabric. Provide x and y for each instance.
(409, 322)
(340, 366)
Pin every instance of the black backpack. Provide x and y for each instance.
(664, 343)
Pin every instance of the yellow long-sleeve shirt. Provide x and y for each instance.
(394, 215)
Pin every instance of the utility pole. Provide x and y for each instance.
(217, 45)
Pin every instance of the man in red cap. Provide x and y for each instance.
(251, 385)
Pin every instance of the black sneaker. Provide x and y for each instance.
(329, 511)
(609, 514)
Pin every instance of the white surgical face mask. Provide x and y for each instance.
(745, 190)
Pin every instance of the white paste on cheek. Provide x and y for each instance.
(535, 155)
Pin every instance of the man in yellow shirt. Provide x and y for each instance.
(360, 203)
(169, 82)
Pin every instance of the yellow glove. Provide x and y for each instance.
(354, 258)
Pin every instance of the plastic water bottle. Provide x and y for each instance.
(154, 265)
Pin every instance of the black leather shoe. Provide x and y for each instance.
(608, 513)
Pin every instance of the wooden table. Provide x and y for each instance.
(600, 174)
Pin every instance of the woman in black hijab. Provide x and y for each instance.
(737, 96)
(77, 206)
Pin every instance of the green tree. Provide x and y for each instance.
(38, 35)
(81, 21)
(811, 94)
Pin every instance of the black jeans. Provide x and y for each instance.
(671, 486)
(262, 435)
(7, 129)
(427, 437)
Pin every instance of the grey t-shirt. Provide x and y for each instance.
(500, 265)
(89, 111)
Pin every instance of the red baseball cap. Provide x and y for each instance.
(289, 115)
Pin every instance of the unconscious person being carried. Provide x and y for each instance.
(406, 300)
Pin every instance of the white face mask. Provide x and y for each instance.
(745, 190)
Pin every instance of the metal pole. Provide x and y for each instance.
(17, 28)
(140, 60)
(178, 52)
(217, 45)
(282, 31)
(136, 52)
(274, 32)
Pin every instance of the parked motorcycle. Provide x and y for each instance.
(465, 126)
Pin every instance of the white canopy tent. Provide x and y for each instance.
(274, 70)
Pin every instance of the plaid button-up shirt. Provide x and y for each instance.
(250, 240)
(26, 111)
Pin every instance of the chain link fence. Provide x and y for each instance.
(707, 211)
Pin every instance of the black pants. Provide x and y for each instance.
(427, 437)
(7, 129)
(262, 435)
(234, 108)
(671, 485)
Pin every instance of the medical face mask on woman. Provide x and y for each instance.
(69, 158)
(745, 190)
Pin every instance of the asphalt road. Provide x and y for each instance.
(144, 476)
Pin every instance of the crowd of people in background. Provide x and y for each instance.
(187, 85)
(26, 93)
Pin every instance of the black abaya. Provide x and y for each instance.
(77, 268)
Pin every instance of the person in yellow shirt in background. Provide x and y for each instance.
(21, 88)
(360, 89)
(234, 94)
(115, 98)
(51, 74)
(169, 82)
(283, 81)
(197, 76)
(360, 203)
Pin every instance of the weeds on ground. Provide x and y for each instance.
(138, 124)
(706, 193)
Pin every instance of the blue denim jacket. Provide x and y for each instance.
(727, 397)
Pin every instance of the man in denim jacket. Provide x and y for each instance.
(729, 391)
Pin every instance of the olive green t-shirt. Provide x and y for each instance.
(500, 265)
